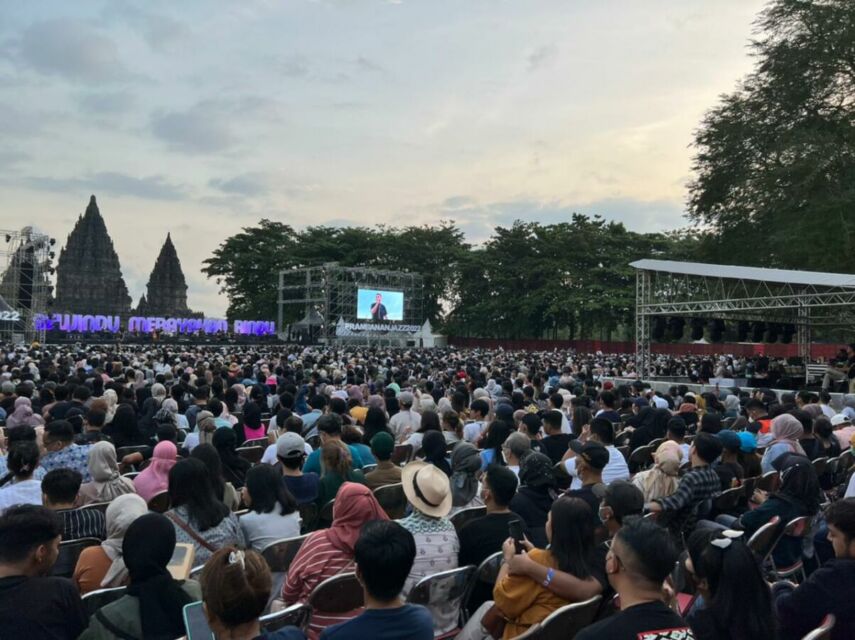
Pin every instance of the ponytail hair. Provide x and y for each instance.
(23, 460)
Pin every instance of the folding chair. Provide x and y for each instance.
(765, 538)
(257, 442)
(393, 500)
(280, 554)
(465, 516)
(325, 517)
(402, 454)
(297, 615)
(309, 516)
(252, 455)
(823, 631)
(159, 502)
(728, 500)
(641, 459)
(444, 593)
(796, 528)
(338, 594)
(94, 600)
(769, 481)
(485, 574)
(69, 552)
(564, 623)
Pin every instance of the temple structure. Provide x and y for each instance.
(166, 292)
(89, 276)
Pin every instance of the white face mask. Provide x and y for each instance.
(504, 456)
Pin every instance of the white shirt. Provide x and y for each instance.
(24, 492)
(402, 420)
(850, 488)
(827, 411)
(616, 469)
(565, 424)
(269, 456)
(473, 430)
(260, 529)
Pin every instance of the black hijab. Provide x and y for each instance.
(147, 548)
(234, 467)
(434, 451)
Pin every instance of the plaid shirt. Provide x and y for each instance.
(698, 485)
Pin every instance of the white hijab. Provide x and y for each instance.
(120, 514)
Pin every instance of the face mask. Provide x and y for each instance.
(504, 457)
(602, 515)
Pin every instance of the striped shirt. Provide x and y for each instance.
(83, 523)
(316, 561)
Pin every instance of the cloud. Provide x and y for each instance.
(541, 56)
(364, 64)
(9, 158)
(71, 49)
(156, 187)
(158, 30)
(201, 129)
(247, 184)
(106, 102)
(295, 66)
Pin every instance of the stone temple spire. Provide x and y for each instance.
(89, 277)
(166, 292)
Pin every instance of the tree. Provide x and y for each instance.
(775, 163)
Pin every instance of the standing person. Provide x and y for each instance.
(273, 511)
(33, 605)
(107, 483)
(236, 586)
(384, 555)
(23, 460)
(291, 452)
(378, 309)
(640, 558)
(59, 494)
(386, 472)
(154, 604)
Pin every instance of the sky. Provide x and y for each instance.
(202, 117)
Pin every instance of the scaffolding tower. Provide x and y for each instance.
(26, 257)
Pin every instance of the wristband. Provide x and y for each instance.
(550, 573)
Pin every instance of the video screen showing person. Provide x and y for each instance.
(379, 305)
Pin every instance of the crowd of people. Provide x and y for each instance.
(648, 506)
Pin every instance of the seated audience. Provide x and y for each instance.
(102, 567)
(491, 443)
(198, 517)
(640, 558)
(384, 555)
(154, 604)
(351, 435)
(452, 428)
(375, 422)
(291, 424)
(601, 431)
(235, 589)
(386, 471)
(662, 478)
(823, 444)
(328, 552)
(429, 492)
(478, 412)
(154, 478)
(107, 483)
(329, 428)
(59, 493)
(224, 491)
(829, 589)
(554, 444)
(535, 496)
(515, 447)
(19, 486)
(736, 602)
(337, 470)
(33, 605)
(14, 436)
(124, 430)
(291, 453)
(591, 459)
(531, 426)
(273, 511)
(729, 471)
(677, 433)
(61, 452)
(465, 463)
(786, 432)
(434, 451)
(234, 467)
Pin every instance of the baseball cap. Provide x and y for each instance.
(730, 440)
(748, 442)
(660, 402)
(593, 453)
(839, 419)
(290, 445)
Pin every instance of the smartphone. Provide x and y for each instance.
(195, 622)
(515, 530)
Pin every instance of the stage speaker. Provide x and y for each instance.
(742, 330)
(658, 328)
(757, 331)
(676, 324)
(717, 328)
(697, 328)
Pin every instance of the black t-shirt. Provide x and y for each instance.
(646, 621)
(483, 537)
(590, 493)
(40, 609)
(556, 446)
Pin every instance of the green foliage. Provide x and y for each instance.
(775, 162)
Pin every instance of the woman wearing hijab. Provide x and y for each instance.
(23, 415)
(112, 400)
(329, 552)
(786, 432)
(434, 451)
(124, 430)
(154, 604)
(731, 406)
(107, 483)
(535, 495)
(465, 463)
(103, 566)
(234, 467)
(663, 477)
(154, 478)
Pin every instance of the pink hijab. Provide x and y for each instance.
(354, 506)
(155, 477)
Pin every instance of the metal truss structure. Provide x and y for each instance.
(802, 298)
(313, 300)
(25, 288)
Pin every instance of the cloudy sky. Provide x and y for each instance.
(202, 117)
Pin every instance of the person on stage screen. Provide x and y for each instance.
(378, 309)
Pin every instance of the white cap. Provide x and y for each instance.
(839, 419)
(660, 402)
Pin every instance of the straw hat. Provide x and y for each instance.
(427, 488)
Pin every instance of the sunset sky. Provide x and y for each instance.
(199, 118)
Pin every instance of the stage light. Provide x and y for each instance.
(697, 329)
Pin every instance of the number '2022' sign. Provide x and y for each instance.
(10, 316)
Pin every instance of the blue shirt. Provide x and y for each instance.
(74, 457)
(411, 621)
(313, 462)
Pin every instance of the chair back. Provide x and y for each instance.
(641, 458)
(823, 631)
(765, 538)
(446, 589)
(159, 502)
(257, 442)
(769, 481)
(281, 553)
(69, 552)
(98, 506)
(391, 497)
(819, 465)
(252, 455)
(195, 572)
(309, 516)
(621, 437)
(339, 594)
(486, 573)
(798, 527)
(402, 454)
(654, 444)
(566, 622)
(368, 468)
(749, 485)
(728, 500)
(94, 600)
(325, 517)
(465, 516)
(121, 452)
(297, 615)
(624, 451)
(130, 475)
